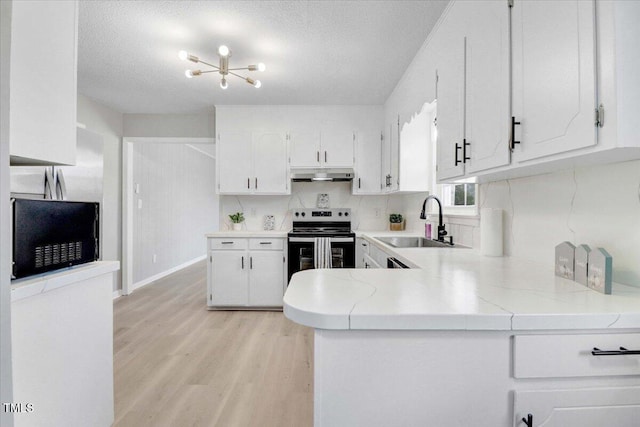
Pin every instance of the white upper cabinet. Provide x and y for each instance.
(449, 49)
(554, 80)
(43, 82)
(234, 168)
(329, 148)
(390, 157)
(252, 163)
(304, 149)
(270, 171)
(487, 117)
(337, 148)
(367, 168)
(416, 150)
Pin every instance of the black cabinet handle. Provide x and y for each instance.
(250, 262)
(528, 421)
(513, 133)
(325, 157)
(622, 352)
(243, 263)
(318, 156)
(465, 144)
(458, 148)
(256, 182)
(248, 182)
(265, 243)
(227, 243)
(359, 183)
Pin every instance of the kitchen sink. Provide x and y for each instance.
(414, 242)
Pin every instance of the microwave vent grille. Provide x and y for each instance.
(58, 253)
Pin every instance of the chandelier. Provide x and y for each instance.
(223, 68)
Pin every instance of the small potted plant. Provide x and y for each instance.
(236, 220)
(396, 222)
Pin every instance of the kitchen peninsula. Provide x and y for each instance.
(465, 339)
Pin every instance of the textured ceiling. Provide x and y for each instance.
(316, 52)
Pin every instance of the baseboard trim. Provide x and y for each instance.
(165, 273)
(117, 293)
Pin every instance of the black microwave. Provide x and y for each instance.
(53, 234)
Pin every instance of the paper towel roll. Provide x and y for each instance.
(491, 232)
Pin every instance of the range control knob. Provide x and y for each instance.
(297, 213)
(346, 214)
(303, 214)
(339, 213)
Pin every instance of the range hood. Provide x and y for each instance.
(322, 176)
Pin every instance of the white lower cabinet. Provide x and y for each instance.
(597, 407)
(549, 358)
(370, 262)
(246, 272)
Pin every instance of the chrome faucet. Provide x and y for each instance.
(441, 230)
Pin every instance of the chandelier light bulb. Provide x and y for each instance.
(183, 54)
(223, 51)
(261, 66)
(223, 83)
(257, 84)
(188, 74)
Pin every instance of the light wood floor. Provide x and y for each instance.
(178, 364)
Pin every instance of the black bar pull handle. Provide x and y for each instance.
(250, 263)
(265, 243)
(359, 183)
(243, 263)
(318, 156)
(465, 144)
(248, 182)
(513, 133)
(458, 148)
(528, 421)
(227, 243)
(621, 352)
(256, 182)
(325, 157)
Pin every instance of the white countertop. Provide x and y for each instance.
(248, 233)
(47, 282)
(455, 289)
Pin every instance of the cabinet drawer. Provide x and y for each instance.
(557, 356)
(231, 243)
(267, 244)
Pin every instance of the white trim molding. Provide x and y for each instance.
(165, 273)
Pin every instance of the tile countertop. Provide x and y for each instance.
(455, 289)
(248, 233)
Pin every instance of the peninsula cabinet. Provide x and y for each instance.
(252, 163)
(246, 272)
(43, 82)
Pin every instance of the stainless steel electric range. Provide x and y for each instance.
(308, 224)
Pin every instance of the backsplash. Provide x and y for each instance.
(368, 212)
(598, 206)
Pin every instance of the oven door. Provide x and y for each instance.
(302, 250)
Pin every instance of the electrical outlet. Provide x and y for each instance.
(154, 258)
(139, 203)
(377, 212)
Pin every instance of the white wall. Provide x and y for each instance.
(198, 125)
(6, 383)
(108, 123)
(175, 206)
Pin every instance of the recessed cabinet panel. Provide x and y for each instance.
(487, 86)
(337, 148)
(304, 149)
(616, 406)
(554, 85)
(270, 163)
(234, 163)
(450, 54)
(229, 278)
(267, 278)
(367, 176)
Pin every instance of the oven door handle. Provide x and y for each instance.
(312, 240)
